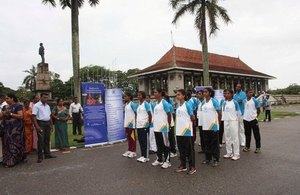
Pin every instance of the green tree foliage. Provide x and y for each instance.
(5, 90)
(23, 94)
(30, 80)
(293, 89)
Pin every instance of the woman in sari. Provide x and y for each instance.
(61, 116)
(13, 139)
(28, 127)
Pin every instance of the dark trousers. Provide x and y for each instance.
(44, 139)
(186, 150)
(268, 115)
(143, 136)
(172, 140)
(195, 125)
(211, 144)
(201, 138)
(221, 132)
(163, 149)
(76, 119)
(249, 126)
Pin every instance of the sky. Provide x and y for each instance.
(125, 34)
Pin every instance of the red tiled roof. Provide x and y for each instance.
(192, 59)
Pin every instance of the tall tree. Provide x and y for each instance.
(203, 10)
(74, 5)
(30, 80)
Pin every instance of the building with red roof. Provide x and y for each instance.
(182, 68)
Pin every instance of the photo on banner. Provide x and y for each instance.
(95, 127)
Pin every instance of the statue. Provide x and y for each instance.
(42, 52)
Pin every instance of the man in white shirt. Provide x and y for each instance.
(75, 112)
(2, 104)
(42, 121)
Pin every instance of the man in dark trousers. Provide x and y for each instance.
(75, 112)
(42, 121)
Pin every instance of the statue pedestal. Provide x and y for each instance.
(43, 80)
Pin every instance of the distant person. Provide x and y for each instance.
(199, 118)
(130, 125)
(240, 96)
(42, 121)
(42, 52)
(75, 112)
(268, 108)
(2, 105)
(153, 147)
(221, 131)
(35, 99)
(28, 127)
(251, 112)
(194, 101)
(61, 116)
(13, 139)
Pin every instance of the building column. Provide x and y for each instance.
(175, 81)
(225, 81)
(232, 83)
(218, 82)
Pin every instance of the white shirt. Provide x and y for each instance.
(2, 105)
(250, 112)
(41, 111)
(230, 110)
(184, 124)
(210, 115)
(75, 108)
(129, 119)
(142, 117)
(199, 113)
(160, 117)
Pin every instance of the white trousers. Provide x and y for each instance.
(1, 155)
(153, 146)
(242, 131)
(231, 134)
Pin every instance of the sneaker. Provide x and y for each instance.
(246, 149)
(192, 171)
(235, 157)
(143, 160)
(206, 162)
(156, 163)
(166, 165)
(139, 159)
(228, 156)
(181, 169)
(220, 145)
(131, 155)
(214, 163)
(257, 150)
(172, 155)
(126, 154)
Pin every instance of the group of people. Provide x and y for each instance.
(27, 126)
(163, 124)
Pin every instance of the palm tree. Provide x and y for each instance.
(30, 80)
(204, 10)
(74, 5)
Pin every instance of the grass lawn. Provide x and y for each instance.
(71, 137)
(278, 115)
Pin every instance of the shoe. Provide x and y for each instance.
(156, 163)
(180, 169)
(166, 165)
(214, 163)
(246, 149)
(143, 160)
(206, 162)
(257, 150)
(199, 144)
(139, 159)
(126, 154)
(172, 155)
(131, 155)
(235, 157)
(192, 171)
(50, 156)
(220, 145)
(227, 156)
(39, 160)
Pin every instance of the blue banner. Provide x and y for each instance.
(114, 114)
(95, 129)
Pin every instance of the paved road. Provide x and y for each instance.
(103, 171)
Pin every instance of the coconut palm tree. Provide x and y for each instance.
(74, 5)
(30, 80)
(206, 12)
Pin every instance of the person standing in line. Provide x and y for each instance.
(199, 117)
(251, 112)
(34, 100)
(240, 96)
(171, 133)
(28, 127)
(194, 101)
(129, 125)
(75, 112)
(230, 114)
(267, 107)
(161, 123)
(221, 131)
(152, 148)
(41, 115)
(184, 133)
(2, 105)
(211, 115)
(143, 120)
